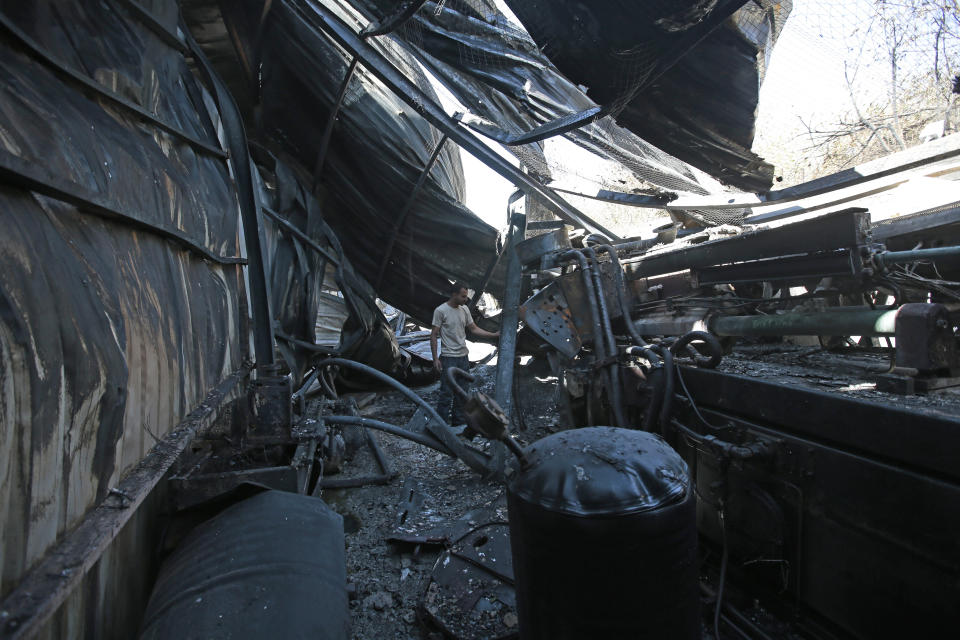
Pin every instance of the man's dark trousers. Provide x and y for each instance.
(448, 399)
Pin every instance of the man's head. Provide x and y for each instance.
(458, 294)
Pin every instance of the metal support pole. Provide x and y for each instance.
(509, 322)
(404, 11)
(307, 240)
(236, 139)
(479, 291)
(855, 322)
(407, 206)
(331, 120)
(888, 258)
(510, 317)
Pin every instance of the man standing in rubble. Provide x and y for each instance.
(451, 321)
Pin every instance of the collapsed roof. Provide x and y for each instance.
(392, 184)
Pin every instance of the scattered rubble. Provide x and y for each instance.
(396, 541)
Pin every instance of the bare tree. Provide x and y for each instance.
(919, 42)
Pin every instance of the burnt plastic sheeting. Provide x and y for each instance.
(109, 332)
(702, 108)
(270, 566)
(134, 167)
(378, 149)
(604, 538)
(508, 81)
(299, 274)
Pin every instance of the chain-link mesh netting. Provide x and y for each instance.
(850, 81)
(480, 48)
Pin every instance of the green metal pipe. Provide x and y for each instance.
(899, 257)
(851, 322)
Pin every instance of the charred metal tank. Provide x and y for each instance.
(604, 539)
(270, 566)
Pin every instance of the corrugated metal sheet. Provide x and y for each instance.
(119, 292)
(378, 149)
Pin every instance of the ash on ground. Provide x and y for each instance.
(436, 499)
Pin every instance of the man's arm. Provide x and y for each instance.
(481, 333)
(434, 333)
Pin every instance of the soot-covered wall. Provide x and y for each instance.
(120, 288)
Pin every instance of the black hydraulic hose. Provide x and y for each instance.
(392, 429)
(668, 385)
(656, 399)
(601, 301)
(619, 280)
(710, 340)
(382, 377)
(452, 374)
(755, 449)
(591, 296)
(306, 384)
(613, 370)
(598, 339)
(653, 409)
(328, 385)
(646, 351)
(438, 427)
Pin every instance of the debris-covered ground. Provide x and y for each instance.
(428, 554)
(396, 534)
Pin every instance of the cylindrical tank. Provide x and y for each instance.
(604, 540)
(271, 566)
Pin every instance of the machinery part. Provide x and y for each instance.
(270, 565)
(844, 473)
(591, 295)
(621, 286)
(661, 383)
(756, 449)
(609, 352)
(548, 315)
(672, 323)
(270, 406)
(386, 471)
(532, 249)
(483, 414)
(667, 233)
(887, 258)
(925, 338)
(369, 423)
(603, 536)
(712, 345)
(846, 263)
(849, 321)
(924, 332)
(474, 459)
(840, 230)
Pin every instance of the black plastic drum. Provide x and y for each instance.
(604, 539)
(271, 566)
